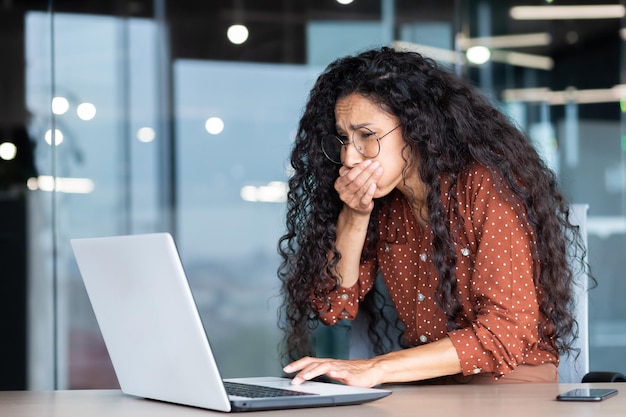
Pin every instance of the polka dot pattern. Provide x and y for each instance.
(500, 315)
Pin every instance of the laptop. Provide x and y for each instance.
(154, 334)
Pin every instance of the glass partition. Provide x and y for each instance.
(145, 116)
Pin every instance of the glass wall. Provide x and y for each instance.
(145, 116)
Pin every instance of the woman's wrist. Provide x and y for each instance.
(353, 219)
(432, 360)
(381, 369)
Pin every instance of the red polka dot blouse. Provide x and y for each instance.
(499, 319)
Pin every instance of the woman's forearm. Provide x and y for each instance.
(351, 233)
(419, 363)
(414, 364)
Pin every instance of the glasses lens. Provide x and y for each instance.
(366, 142)
(331, 146)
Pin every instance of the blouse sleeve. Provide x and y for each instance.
(343, 303)
(501, 288)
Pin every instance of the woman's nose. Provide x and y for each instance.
(350, 155)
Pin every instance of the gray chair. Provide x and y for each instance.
(575, 367)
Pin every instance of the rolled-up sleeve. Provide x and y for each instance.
(342, 303)
(500, 288)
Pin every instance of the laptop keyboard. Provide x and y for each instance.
(259, 391)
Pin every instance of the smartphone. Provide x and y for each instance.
(587, 394)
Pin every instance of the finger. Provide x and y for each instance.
(298, 364)
(354, 185)
(312, 371)
(348, 377)
(361, 172)
(368, 197)
(364, 198)
(357, 168)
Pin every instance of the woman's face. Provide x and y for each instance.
(354, 112)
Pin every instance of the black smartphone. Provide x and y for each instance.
(587, 394)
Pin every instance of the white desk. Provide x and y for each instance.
(521, 400)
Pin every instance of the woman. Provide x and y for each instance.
(402, 169)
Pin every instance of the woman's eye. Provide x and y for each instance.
(365, 134)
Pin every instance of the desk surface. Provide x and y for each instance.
(466, 400)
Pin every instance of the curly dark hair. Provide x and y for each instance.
(449, 126)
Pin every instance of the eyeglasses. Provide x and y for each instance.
(366, 142)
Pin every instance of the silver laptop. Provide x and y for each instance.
(155, 337)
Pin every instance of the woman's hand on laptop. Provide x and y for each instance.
(426, 361)
(358, 373)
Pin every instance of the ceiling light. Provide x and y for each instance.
(8, 151)
(53, 138)
(520, 59)
(438, 54)
(478, 54)
(62, 185)
(559, 98)
(273, 192)
(504, 57)
(60, 105)
(214, 125)
(610, 11)
(237, 34)
(86, 111)
(146, 134)
(506, 41)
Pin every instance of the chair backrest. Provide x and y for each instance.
(572, 367)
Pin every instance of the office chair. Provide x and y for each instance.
(604, 376)
(575, 368)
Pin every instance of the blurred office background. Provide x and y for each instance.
(134, 116)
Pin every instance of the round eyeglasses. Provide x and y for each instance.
(366, 142)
